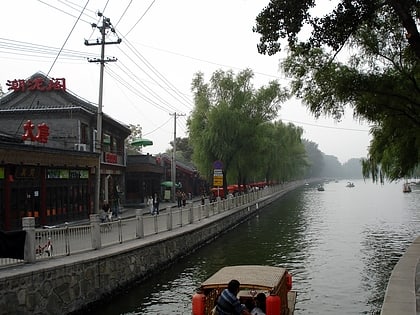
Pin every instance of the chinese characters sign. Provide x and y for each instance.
(41, 136)
(111, 158)
(36, 84)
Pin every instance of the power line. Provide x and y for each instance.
(141, 17)
(71, 31)
(161, 77)
(322, 126)
(58, 9)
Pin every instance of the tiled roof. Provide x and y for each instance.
(41, 101)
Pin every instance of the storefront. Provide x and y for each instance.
(52, 185)
(48, 169)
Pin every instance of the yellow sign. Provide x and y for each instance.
(218, 181)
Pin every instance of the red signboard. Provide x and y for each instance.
(111, 158)
(41, 136)
(36, 84)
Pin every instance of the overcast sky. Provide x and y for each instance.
(164, 43)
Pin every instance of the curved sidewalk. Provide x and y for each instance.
(403, 288)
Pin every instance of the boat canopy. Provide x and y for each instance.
(249, 276)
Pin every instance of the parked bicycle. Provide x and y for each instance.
(47, 248)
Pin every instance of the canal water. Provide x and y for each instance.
(340, 244)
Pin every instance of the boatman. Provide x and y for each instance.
(228, 302)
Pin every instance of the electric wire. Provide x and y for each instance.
(149, 76)
(179, 96)
(123, 14)
(14, 47)
(137, 80)
(42, 51)
(135, 91)
(67, 13)
(158, 128)
(323, 126)
(141, 17)
(71, 31)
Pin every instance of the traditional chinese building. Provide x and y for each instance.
(147, 174)
(50, 174)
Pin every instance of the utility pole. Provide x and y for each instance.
(104, 30)
(173, 164)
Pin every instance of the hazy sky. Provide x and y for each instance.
(164, 43)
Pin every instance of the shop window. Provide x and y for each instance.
(84, 133)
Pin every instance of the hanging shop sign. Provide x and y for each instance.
(27, 172)
(111, 158)
(37, 84)
(41, 136)
(67, 174)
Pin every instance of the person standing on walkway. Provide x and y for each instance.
(150, 204)
(156, 204)
(178, 198)
(184, 199)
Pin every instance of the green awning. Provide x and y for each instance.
(141, 142)
(168, 184)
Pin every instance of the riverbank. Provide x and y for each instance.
(69, 284)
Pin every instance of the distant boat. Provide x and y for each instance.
(406, 188)
(320, 188)
(350, 184)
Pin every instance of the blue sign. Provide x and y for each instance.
(217, 165)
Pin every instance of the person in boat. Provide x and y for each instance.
(228, 302)
(259, 308)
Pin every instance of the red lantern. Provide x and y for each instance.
(273, 305)
(198, 303)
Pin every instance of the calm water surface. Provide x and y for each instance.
(340, 245)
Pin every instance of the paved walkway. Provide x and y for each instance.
(402, 293)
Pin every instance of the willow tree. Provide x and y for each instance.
(378, 76)
(282, 156)
(228, 111)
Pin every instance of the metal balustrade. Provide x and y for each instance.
(68, 240)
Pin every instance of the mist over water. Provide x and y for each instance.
(340, 245)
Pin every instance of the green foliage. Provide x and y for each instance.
(184, 150)
(283, 19)
(231, 122)
(136, 133)
(378, 76)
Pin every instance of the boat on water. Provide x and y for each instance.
(406, 188)
(350, 184)
(320, 188)
(274, 282)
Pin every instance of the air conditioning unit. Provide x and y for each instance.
(80, 147)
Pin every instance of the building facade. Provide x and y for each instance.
(49, 159)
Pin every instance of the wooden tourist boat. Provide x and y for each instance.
(406, 188)
(274, 282)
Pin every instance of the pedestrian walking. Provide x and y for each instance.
(179, 198)
(184, 199)
(156, 204)
(150, 204)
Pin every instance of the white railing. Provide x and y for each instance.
(69, 240)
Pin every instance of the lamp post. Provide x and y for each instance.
(173, 164)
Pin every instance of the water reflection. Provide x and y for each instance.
(340, 244)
